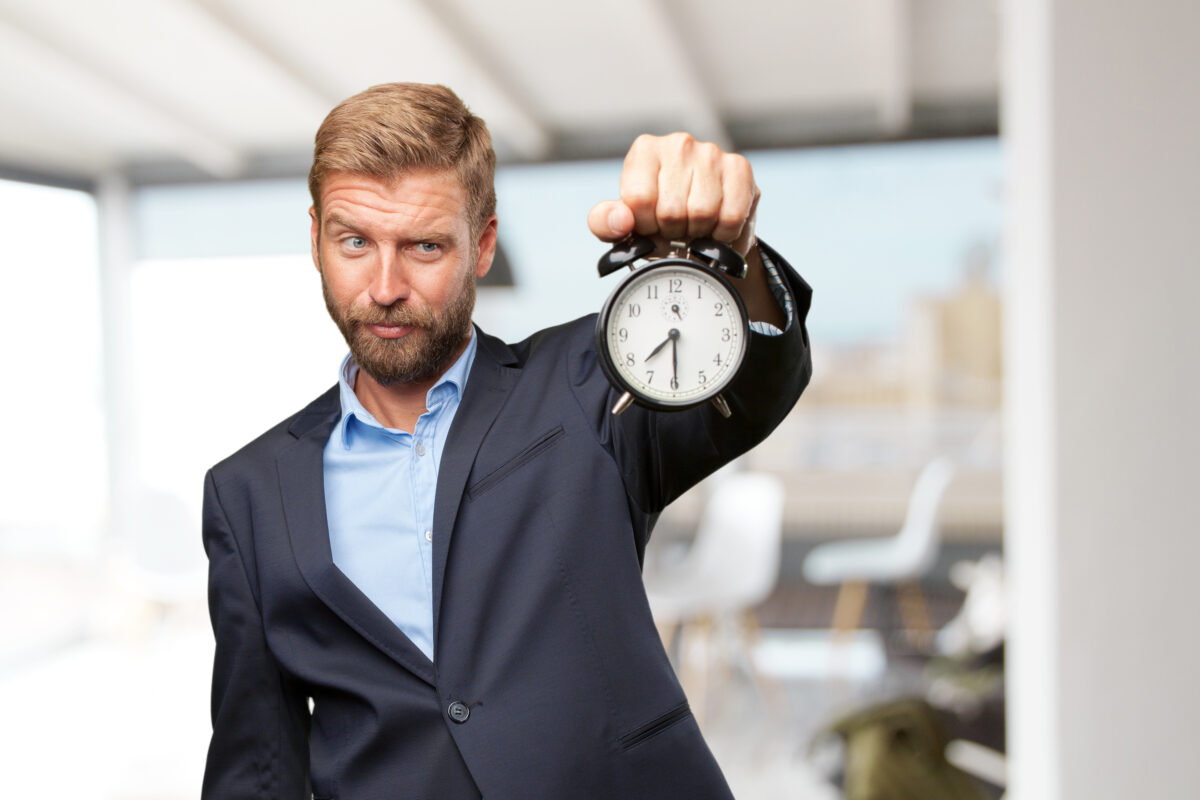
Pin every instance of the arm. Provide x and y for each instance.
(259, 745)
(674, 188)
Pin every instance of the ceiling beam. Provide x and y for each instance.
(322, 93)
(700, 115)
(188, 137)
(530, 137)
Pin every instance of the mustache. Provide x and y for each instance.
(396, 314)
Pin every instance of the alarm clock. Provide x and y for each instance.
(674, 332)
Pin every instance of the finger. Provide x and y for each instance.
(747, 239)
(639, 184)
(674, 188)
(610, 220)
(739, 198)
(707, 190)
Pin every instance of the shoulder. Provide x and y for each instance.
(558, 340)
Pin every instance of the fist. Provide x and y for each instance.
(674, 187)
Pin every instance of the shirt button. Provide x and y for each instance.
(419, 449)
(458, 712)
(429, 536)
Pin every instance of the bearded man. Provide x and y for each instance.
(426, 583)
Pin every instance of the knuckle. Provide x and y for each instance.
(731, 219)
(709, 153)
(638, 197)
(672, 212)
(680, 141)
(703, 210)
(737, 164)
(645, 141)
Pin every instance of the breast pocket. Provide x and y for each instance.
(539, 446)
(655, 726)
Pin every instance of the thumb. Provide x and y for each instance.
(610, 220)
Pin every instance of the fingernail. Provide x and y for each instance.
(614, 221)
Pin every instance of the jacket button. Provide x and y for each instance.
(458, 712)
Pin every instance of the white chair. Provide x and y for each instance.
(901, 560)
(732, 567)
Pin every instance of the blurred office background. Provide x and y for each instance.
(978, 525)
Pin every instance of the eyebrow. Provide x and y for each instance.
(337, 219)
(334, 219)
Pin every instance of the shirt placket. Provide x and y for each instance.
(424, 479)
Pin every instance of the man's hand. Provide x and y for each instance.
(674, 187)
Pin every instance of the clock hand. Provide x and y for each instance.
(675, 308)
(674, 358)
(654, 352)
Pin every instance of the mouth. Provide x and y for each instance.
(389, 331)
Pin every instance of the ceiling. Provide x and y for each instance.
(182, 90)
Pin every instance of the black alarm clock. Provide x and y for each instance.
(674, 331)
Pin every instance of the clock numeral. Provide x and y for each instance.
(700, 291)
(676, 285)
(702, 378)
(717, 359)
(724, 334)
(649, 376)
(629, 359)
(623, 334)
(635, 310)
(719, 310)
(674, 383)
(651, 292)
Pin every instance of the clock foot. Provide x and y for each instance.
(624, 402)
(722, 406)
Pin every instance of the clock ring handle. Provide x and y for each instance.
(624, 253)
(720, 255)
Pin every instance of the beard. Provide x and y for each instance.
(424, 353)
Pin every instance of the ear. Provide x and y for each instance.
(487, 247)
(316, 237)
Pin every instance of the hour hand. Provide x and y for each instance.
(672, 335)
(656, 350)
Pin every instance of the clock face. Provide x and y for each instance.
(673, 334)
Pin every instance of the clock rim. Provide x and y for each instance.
(600, 337)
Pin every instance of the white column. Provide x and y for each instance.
(1102, 132)
(116, 260)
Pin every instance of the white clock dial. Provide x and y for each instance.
(675, 334)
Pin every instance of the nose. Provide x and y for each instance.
(390, 282)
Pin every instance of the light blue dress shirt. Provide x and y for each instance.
(379, 492)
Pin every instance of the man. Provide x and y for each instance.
(426, 584)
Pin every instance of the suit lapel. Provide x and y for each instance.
(492, 377)
(301, 480)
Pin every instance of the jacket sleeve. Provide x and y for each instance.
(663, 454)
(259, 746)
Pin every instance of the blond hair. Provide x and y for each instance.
(394, 127)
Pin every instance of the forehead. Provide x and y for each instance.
(413, 197)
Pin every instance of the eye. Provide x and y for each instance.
(427, 247)
(355, 242)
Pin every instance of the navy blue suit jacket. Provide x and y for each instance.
(550, 680)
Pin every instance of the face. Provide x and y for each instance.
(398, 264)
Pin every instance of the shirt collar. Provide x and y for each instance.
(453, 381)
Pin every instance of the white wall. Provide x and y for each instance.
(1102, 125)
